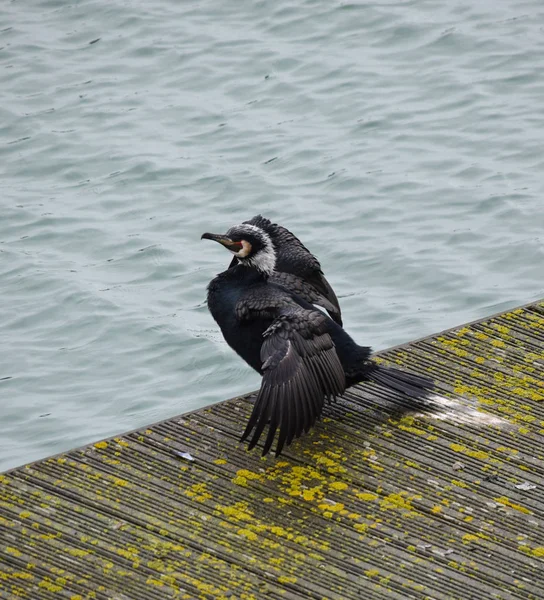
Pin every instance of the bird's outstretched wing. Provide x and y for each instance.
(300, 370)
(292, 257)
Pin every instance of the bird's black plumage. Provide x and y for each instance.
(304, 356)
(297, 268)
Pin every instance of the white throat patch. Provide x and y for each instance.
(265, 259)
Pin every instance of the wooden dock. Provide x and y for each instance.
(371, 504)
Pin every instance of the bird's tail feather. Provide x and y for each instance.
(423, 395)
(414, 386)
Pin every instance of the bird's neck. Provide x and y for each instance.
(241, 275)
(249, 273)
(264, 261)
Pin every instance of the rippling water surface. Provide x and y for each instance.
(402, 141)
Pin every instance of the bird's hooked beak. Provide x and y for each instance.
(223, 240)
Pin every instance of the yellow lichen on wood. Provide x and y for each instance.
(507, 502)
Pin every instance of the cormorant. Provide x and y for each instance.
(303, 355)
(297, 268)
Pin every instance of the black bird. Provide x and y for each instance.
(297, 268)
(304, 357)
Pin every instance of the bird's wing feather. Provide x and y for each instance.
(318, 281)
(300, 370)
(308, 292)
(263, 303)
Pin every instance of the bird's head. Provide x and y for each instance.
(251, 245)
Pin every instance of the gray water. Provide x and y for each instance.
(401, 141)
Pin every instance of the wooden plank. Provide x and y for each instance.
(374, 503)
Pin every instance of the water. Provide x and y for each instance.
(402, 141)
